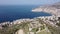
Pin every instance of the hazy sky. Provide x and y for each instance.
(27, 2)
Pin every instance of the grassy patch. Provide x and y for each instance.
(44, 32)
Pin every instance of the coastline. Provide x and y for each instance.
(53, 9)
(47, 9)
(25, 20)
(44, 19)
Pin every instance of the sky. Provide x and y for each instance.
(27, 2)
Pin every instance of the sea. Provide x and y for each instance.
(14, 12)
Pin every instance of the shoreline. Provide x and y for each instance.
(24, 20)
(53, 9)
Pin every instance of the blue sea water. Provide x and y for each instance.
(10, 13)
